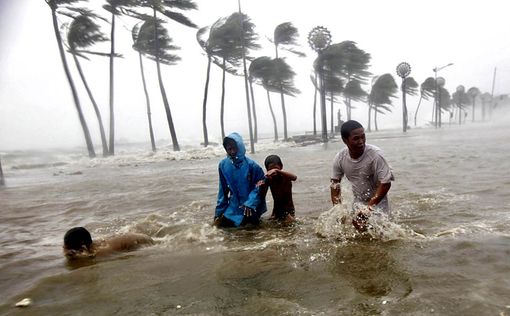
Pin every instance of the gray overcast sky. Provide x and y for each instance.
(36, 108)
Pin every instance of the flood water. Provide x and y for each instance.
(445, 251)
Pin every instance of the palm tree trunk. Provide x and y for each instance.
(474, 103)
(222, 108)
(416, 112)
(369, 129)
(315, 108)
(112, 115)
(324, 123)
(272, 115)
(2, 181)
(404, 107)
(162, 89)
(83, 123)
(255, 125)
(375, 119)
(147, 101)
(285, 136)
(332, 123)
(94, 104)
(204, 103)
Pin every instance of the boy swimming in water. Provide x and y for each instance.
(78, 243)
(280, 183)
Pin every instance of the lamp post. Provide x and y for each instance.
(319, 39)
(403, 70)
(437, 108)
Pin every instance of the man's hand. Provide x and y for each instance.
(217, 220)
(335, 192)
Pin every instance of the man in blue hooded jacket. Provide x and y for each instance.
(239, 201)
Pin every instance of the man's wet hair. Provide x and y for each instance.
(228, 140)
(77, 237)
(348, 127)
(273, 159)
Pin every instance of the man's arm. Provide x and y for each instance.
(336, 192)
(380, 193)
(285, 174)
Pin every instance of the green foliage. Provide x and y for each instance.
(384, 88)
(428, 88)
(146, 43)
(354, 91)
(117, 7)
(287, 34)
(84, 32)
(460, 98)
(275, 75)
(411, 86)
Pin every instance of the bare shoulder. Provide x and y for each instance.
(129, 241)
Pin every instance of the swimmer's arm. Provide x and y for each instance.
(336, 192)
(380, 193)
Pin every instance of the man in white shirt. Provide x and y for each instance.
(365, 167)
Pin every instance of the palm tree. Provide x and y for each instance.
(285, 34)
(409, 86)
(384, 88)
(427, 90)
(473, 92)
(161, 43)
(486, 99)
(54, 5)
(234, 37)
(135, 36)
(83, 33)
(209, 46)
(333, 86)
(316, 89)
(115, 7)
(261, 71)
(2, 181)
(460, 98)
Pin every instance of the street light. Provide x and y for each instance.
(403, 70)
(437, 109)
(319, 39)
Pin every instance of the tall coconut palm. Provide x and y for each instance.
(115, 7)
(333, 86)
(234, 38)
(286, 35)
(316, 89)
(460, 98)
(486, 99)
(427, 90)
(261, 71)
(409, 87)
(161, 43)
(83, 33)
(473, 93)
(54, 5)
(209, 46)
(384, 88)
(2, 181)
(135, 36)
(160, 53)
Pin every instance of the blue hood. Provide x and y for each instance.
(241, 149)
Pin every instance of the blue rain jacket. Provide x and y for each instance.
(238, 179)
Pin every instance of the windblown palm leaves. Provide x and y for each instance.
(384, 88)
(459, 98)
(409, 86)
(427, 90)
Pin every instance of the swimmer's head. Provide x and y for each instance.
(77, 243)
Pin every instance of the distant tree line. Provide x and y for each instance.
(229, 43)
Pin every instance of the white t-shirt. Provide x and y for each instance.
(363, 173)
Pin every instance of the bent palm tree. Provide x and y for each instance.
(135, 35)
(427, 90)
(409, 87)
(54, 5)
(83, 33)
(460, 98)
(473, 92)
(383, 90)
(115, 7)
(285, 34)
